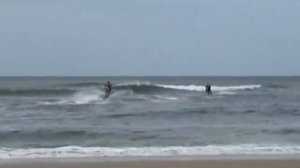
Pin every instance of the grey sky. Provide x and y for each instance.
(150, 37)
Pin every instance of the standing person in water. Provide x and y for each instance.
(208, 89)
(108, 89)
(108, 86)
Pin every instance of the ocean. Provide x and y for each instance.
(148, 116)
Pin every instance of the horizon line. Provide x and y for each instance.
(51, 76)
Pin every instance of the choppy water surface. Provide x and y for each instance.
(67, 116)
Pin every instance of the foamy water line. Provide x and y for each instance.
(76, 151)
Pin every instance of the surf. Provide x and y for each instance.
(214, 88)
(209, 150)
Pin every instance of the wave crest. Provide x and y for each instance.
(135, 87)
(214, 88)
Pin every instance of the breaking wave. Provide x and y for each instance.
(77, 151)
(79, 98)
(214, 88)
(136, 87)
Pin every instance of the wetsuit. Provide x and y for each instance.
(108, 87)
(208, 89)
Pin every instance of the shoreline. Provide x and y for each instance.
(253, 161)
(154, 158)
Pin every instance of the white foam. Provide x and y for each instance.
(162, 97)
(137, 83)
(76, 151)
(232, 88)
(214, 88)
(87, 96)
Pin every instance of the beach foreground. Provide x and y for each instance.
(251, 163)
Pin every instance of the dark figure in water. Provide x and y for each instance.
(108, 87)
(208, 89)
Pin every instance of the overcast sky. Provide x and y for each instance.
(149, 37)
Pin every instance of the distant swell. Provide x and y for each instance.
(84, 84)
(30, 92)
(284, 131)
(44, 134)
(275, 86)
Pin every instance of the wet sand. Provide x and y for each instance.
(97, 163)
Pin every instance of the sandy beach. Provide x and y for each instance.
(207, 163)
